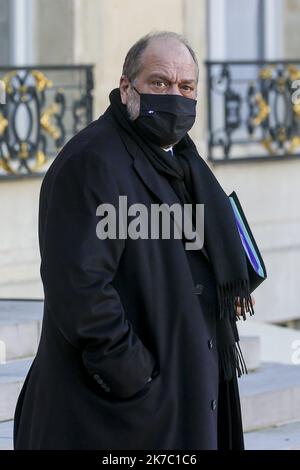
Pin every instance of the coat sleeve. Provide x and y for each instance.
(77, 269)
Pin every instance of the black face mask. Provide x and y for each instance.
(165, 119)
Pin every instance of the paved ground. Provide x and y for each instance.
(283, 437)
(286, 437)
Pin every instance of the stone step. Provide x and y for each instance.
(270, 396)
(271, 336)
(6, 435)
(250, 346)
(24, 288)
(270, 399)
(284, 437)
(20, 326)
(12, 375)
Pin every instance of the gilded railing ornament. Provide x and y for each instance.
(34, 121)
(45, 121)
(251, 113)
(263, 110)
(3, 124)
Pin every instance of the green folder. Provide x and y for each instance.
(256, 266)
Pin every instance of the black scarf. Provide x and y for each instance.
(189, 176)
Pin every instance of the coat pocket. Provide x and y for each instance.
(133, 400)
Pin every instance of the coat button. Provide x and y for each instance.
(213, 404)
(199, 289)
(98, 379)
(210, 344)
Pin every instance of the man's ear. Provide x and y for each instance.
(124, 88)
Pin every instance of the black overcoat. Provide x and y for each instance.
(117, 311)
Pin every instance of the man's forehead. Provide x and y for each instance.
(168, 55)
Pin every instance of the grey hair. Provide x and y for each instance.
(133, 60)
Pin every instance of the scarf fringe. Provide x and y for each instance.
(227, 296)
(230, 360)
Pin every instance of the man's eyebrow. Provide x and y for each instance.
(188, 80)
(166, 77)
(159, 75)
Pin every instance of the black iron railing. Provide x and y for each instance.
(44, 107)
(253, 110)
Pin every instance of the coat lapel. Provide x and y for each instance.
(155, 182)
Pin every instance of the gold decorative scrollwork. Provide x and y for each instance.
(263, 110)
(37, 113)
(295, 143)
(267, 143)
(40, 160)
(23, 152)
(282, 137)
(3, 124)
(266, 73)
(45, 121)
(290, 74)
(294, 73)
(4, 164)
(296, 109)
(24, 93)
(42, 82)
(7, 79)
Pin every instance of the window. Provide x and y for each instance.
(243, 29)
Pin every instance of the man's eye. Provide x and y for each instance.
(187, 88)
(159, 84)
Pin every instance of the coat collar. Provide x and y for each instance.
(155, 182)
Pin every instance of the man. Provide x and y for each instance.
(139, 347)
